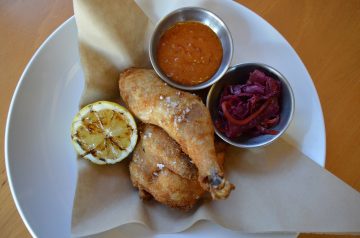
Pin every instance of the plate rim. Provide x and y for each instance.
(10, 115)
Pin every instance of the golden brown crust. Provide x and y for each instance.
(183, 116)
(159, 168)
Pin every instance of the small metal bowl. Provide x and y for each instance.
(199, 15)
(239, 74)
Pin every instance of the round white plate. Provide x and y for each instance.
(40, 160)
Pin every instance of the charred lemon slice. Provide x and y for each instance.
(104, 132)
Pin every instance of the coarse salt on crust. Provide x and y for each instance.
(147, 135)
(160, 166)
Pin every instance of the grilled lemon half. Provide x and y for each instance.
(104, 132)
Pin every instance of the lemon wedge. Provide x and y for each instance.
(104, 132)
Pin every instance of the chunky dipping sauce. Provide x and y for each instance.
(189, 53)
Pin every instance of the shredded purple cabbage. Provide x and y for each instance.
(252, 108)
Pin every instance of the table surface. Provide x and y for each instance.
(325, 34)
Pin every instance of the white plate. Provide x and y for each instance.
(39, 156)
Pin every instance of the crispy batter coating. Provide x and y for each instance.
(159, 168)
(183, 116)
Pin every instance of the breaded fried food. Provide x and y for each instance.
(183, 116)
(161, 170)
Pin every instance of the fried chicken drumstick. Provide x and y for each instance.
(161, 170)
(183, 116)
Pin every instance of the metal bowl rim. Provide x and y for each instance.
(210, 81)
(292, 105)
